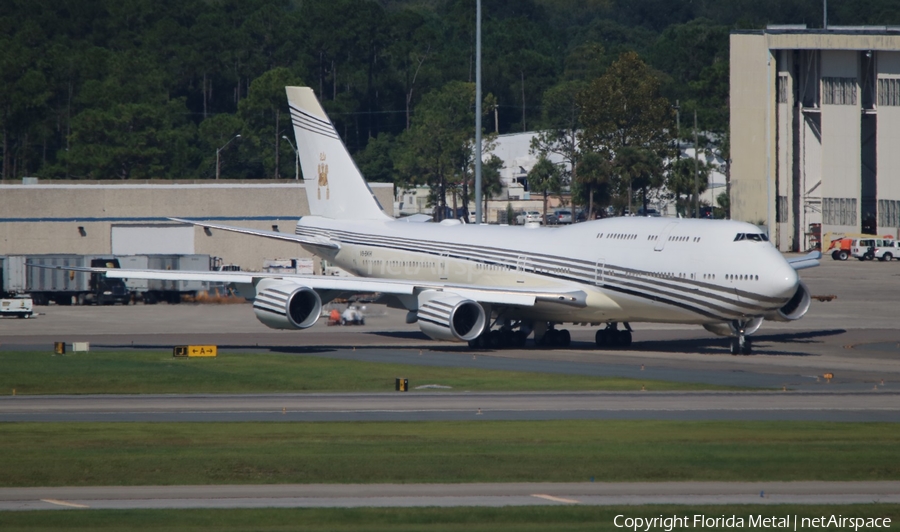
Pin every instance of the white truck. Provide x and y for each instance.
(875, 248)
(20, 307)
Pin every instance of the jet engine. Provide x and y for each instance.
(730, 328)
(282, 305)
(450, 317)
(795, 308)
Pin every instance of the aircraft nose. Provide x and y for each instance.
(784, 281)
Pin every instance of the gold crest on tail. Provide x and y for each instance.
(323, 177)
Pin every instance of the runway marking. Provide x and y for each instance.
(555, 499)
(65, 503)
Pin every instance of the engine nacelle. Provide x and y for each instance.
(730, 329)
(450, 317)
(794, 309)
(282, 305)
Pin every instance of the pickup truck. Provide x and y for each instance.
(875, 248)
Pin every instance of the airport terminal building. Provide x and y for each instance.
(815, 131)
(132, 218)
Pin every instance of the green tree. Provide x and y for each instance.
(213, 133)
(491, 184)
(376, 161)
(562, 122)
(263, 113)
(436, 149)
(680, 183)
(637, 168)
(594, 176)
(546, 177)
(625, 109)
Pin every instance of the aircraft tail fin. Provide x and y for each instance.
(335, 187)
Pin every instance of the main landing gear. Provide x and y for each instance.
(514, 335)
(499, 339)
(554, 338)
(611, 336)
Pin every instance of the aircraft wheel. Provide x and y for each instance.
(495, 340)
(564, 338)
(624, 338)
(521, 337)
(735, 346)
(601, 338)
(508, 338)
(551, 338)
(746, 347)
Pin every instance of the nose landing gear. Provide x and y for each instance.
(740, 342)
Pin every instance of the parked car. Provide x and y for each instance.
(649, 212)
(563, 216)
(525, 217)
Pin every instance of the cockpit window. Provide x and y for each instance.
(757, 237)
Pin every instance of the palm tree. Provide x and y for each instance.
(544, 176)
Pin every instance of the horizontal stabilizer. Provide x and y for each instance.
(276, 235)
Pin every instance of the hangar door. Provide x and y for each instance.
(152, 239)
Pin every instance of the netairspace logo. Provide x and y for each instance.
(786, 522)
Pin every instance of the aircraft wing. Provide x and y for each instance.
(361, 285)
(277, 235)
(810, 260)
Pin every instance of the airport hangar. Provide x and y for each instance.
(131, 218)
(815, 131)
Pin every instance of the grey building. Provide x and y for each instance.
(132, 217)
(815, 131)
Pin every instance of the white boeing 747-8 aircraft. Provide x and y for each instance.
(493, 286)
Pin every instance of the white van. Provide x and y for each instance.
(875, 248)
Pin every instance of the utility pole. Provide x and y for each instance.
(478, 213)
(677, 130)
(696, 170)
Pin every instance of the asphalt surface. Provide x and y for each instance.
(807, 406)
(447, 495)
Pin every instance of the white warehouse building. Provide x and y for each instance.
(815, 131)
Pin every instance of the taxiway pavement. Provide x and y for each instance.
(446, 495)
(877, 406)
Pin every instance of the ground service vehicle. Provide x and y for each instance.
(20, 307)
(63, 287)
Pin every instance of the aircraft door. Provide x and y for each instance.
(599, 271)
(521, 268)
(661, 241)
(442, 267)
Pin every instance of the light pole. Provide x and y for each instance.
(296, 158)
(478, 192)
(218, 159)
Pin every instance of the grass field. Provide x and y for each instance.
(73, 454)
(114, 372)
(544, 518)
